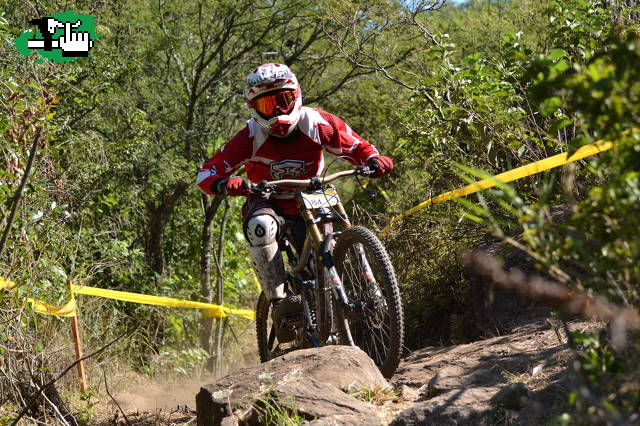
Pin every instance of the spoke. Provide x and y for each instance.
(375, 346)
(371, 332)
(384, 344)
(386, 334)
(380, 355)
(366, 343)
(358, 272)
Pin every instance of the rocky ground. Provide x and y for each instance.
(516, 378)
(519, 377)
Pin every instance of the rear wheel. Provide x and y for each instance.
(375, 323)
(265, 331)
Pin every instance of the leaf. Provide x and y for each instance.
(471, 207)
(560, 123)
(558, 68)
(556, 54)
(550, 105)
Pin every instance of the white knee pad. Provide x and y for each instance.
(262, 231)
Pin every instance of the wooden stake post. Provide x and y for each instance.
(77, 344)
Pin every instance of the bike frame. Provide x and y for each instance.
(316, 212)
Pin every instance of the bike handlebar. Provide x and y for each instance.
(313, 183)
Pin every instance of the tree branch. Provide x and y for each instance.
(18, 194)
(32, 398)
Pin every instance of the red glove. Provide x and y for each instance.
(381, 166)
(235, 186)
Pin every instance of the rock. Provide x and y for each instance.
(313, 399)
(514, 396)
(341, 420)
(456, 407)
(447, 378)
(229, 421)
(540, 408)
(310, 382)
(537, 369)
(463, 384)
(408, 393)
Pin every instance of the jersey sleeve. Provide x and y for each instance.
(338, 139)
(226, 161)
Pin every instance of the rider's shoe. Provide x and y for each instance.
(284, 314)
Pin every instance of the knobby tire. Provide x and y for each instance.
(263, 328)
(378, 331)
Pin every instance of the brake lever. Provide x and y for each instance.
(363, 171)
(262, 189)
(315, 184)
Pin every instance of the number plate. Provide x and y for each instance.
(320, 199)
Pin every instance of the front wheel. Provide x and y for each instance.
(374, 322)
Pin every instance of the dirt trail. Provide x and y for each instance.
(154, 396)
(516, 378)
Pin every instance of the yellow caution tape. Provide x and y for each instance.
(68, 310)
(211, 310)
(6, 284)
(509, 176)
(244, 313)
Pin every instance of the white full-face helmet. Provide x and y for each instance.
(274, 98)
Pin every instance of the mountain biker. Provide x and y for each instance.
(282, 140)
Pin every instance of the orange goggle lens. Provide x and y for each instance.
(271, 105)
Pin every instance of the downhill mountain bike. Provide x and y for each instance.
(342, 278)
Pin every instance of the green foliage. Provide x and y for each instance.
(598, 360)
(270, 409)
(87, 411)
(611, 391)
(591, 85)
(377, 395)
(487, 85)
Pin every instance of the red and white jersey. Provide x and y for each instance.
(298, 156)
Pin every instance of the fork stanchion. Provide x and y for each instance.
(315, 232)
(343, 212)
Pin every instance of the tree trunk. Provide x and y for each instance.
(219, 258)
(210, 207)
(160, 216)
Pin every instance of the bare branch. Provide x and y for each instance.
(553, 293)
(18, 194)
(181, 70)
(106, 386)
(65, 371)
